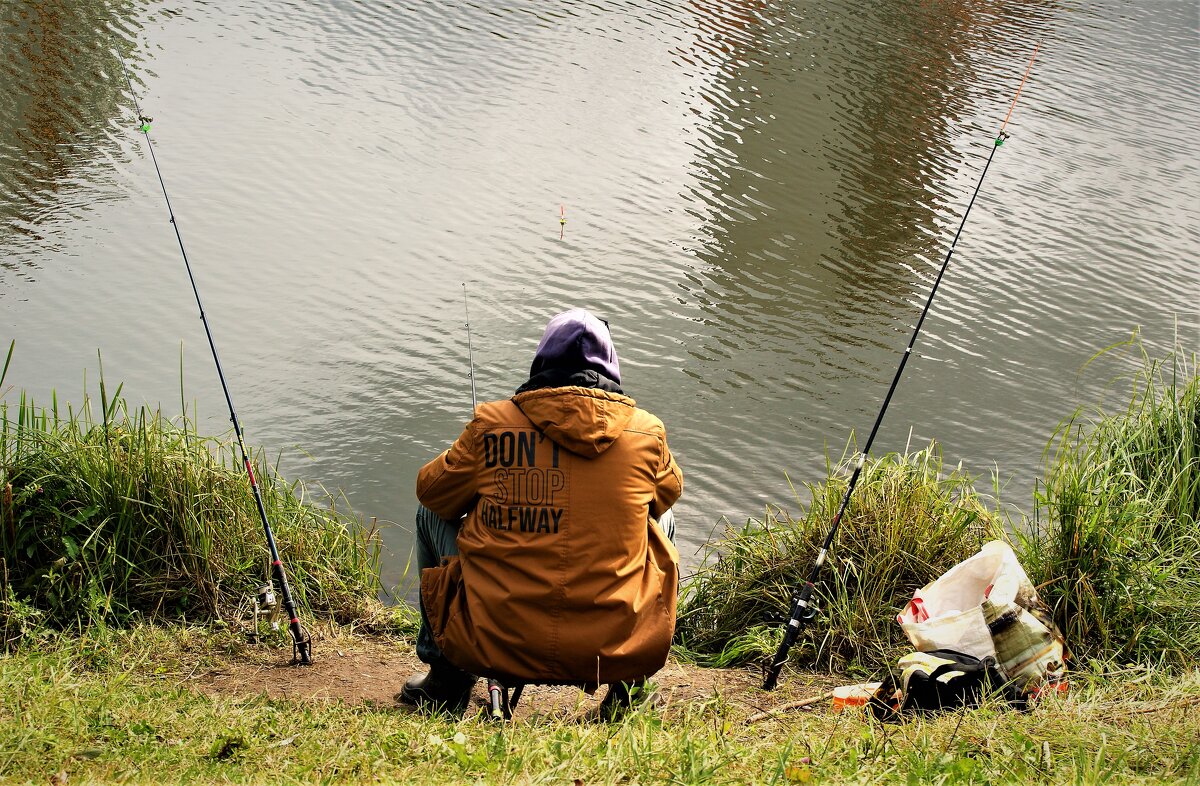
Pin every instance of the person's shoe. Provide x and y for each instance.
(624, 696)
(443, 687)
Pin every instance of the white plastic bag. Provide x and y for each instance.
(963, 631)
(948, 612)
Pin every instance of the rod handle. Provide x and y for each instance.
(802, 614)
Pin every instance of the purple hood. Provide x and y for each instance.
(575, 340)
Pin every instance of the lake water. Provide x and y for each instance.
(757, 197)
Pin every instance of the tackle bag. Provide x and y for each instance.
(986, 607)
(929, 682)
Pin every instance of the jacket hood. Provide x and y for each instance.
(585, 421)
(575, 340)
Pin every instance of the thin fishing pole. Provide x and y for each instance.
(301, 641)
(802, 611)
(497, 698)
(470, 351)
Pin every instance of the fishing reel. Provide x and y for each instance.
(260, 617)
(261, 609)
(807, 614)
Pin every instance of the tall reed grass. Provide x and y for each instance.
(1113, 543)
(1114, 540)
(113, 512)
(910, 519)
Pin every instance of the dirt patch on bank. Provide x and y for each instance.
(360, 669)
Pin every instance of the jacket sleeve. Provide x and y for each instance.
(668, 484)
(448, 484)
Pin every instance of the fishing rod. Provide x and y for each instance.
(301, 641)
(497, 700)
(802, 610)
(470, 350)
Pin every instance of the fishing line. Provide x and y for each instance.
(470, 351)
(301, 641)
(802, 611)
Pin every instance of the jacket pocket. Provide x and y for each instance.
(440, 588)
(662, 563)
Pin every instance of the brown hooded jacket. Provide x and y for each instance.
(562, 574)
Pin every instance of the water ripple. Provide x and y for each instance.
(758, 197)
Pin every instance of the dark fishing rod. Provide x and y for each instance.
(301, 641)
(470, 351)
(497, 700)
(802, 611)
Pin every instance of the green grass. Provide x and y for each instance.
(114, 517)
(109, 513)
(910, 520)
(116, 708)
(1113, 546)
(1114, 542)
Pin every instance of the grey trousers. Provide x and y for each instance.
(438, 538)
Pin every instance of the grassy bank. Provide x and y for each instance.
(117, 708)
(1113, 544)
(110, 514)
(909, 520)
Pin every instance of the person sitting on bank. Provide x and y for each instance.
(544, 533)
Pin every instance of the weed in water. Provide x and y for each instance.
(1114, 543)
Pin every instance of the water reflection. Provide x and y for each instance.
(756, 195)
(827, 168)
(826, 178)
(56, 141)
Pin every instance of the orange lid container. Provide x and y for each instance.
(853, 696)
